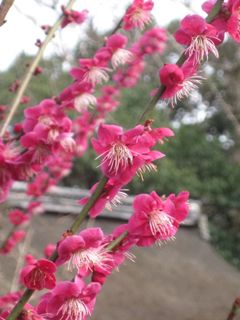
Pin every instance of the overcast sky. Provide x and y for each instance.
(22, 28)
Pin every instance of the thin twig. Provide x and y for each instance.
(28, 75)
(211, 16)
(4, 8)
(228, 108)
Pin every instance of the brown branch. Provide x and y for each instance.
(28, 75)
(4, 8)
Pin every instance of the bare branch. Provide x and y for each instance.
(4, 8)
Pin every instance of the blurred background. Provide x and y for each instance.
(204, 156)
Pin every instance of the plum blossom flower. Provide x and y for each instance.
(39, 274)
(49, 249)
(115, 47)
(73, 16)
(179, 82)
(40, 185)
(138, 14)
(8, 156)
(227, 20)
(16, 237)
(17, 217)
(35, 207)
(155, 219)
(112, 195)
(84, 251)
(118, 255)
(200, 37)
(78, 96)
(93, 71)
(69, 301)
(122, 152)
(47, 130)
(233, 23)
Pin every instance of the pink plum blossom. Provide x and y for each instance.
(179, 82)
(233, 23)
(118, 255)
(39, 275)
(78, 95)
(93, 71)
(8, 156)
(112, 195)
(122, 152)
(69, 301)
(40, 184)
(115, 48)
(84, 251)
(73, 16)
(47, 130)
(16, 237)
(227, 20)
(138, 14)
(17, 217)
(49, 249)
(199, 37)
(157, 219)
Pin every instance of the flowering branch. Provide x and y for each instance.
(117, 241)
(27, 77)
(94, 197)
(20, 305)
(215, 10)
(82, 215)
(4, 8)
(234, 311)
(121, 154)
(213, 13)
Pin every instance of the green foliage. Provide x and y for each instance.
(227, 242)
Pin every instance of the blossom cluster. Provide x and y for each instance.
(200, 39)
(154, 220)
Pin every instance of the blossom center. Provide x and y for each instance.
(89, 258)
(74, 309)
(117, 200)
(46, 120)
(200, 47)
(118, 156)
(84, 100)
(160, 223)
(37, 276)
(140, 18)
(121, 57)
(96, 75)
